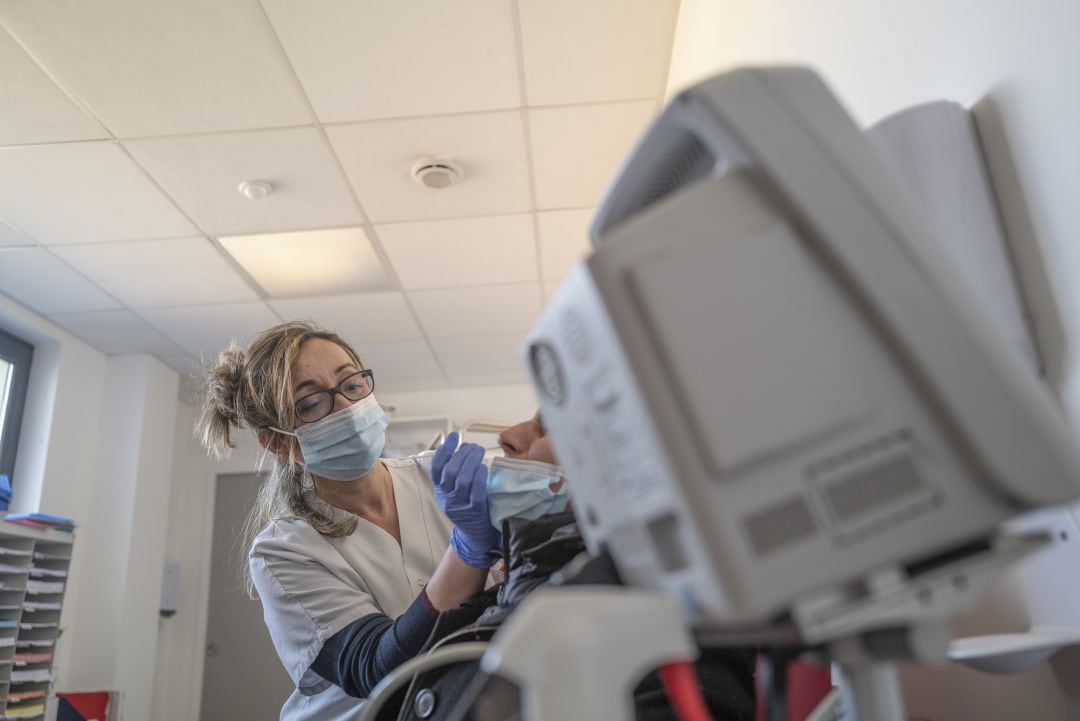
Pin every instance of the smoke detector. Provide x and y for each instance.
(255, 189)
(436, 174)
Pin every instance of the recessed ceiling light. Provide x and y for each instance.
(310, 262)
(436, 174)
(255, 189)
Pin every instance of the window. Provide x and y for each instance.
(15, 358)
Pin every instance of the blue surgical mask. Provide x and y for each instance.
(521, 489)
(345, 445)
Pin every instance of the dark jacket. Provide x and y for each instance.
(536, 552)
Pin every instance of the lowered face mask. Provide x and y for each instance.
(345, 445)
(521, 489)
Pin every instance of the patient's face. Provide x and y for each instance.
(528, 440)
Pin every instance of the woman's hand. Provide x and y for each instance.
(460, 479)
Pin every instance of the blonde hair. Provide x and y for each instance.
(253, 388)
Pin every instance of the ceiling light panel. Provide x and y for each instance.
(150, 68)
(41, 281)
(487, 360)
(378, 158)
(445, 57)
(36, 110)
(586, 52)
(469, 251)
(360, 318)
(202, 174)
(577, 150)
(83, 193)
(490, 310)
(310, 262)
(205, 330)
(160, 273)
(115, 331)
(564, 240)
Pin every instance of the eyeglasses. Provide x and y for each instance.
(318, 405)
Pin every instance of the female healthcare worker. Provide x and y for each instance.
(353, 556)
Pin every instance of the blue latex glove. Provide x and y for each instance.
(460, 479)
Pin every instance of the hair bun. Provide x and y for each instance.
(221, 406)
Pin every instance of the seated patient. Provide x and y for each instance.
(537, 550)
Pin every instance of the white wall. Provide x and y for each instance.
(1020, 64)
(182, 637)
(96, 445)
(1020, 59)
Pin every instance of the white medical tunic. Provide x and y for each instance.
(312, 586)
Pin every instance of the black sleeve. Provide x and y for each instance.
(358, 656)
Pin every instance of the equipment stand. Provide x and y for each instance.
(578, 653)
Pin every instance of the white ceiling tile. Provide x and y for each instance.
(361, 318)
(202, 174)
(467, 251)
(491, 378)
(83, 193)
(579, 52)
(10, 236)
(205, 330)
(310, 262)
(41, 281)
(378, 157)
(159, 273)
(488, 310)
(564, 240)
(399, 361)
(486, 360)
(115, 332)
(444, 57)
(149, 68)
(410, 385)
(576, 150)
(36, 110)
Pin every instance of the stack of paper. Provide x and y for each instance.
(11, 568)
(34, 675)
(29, 626)
(42, 556)
(36, 587)
(41, 606)
(25, 657)
(42, 519)
(18, 552)
(25, 710)
(26, 695)
(36, 572)
(33, 643)
(6, 641)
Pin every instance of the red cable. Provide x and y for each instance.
(681, 684)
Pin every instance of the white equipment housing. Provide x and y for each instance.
(768, 383)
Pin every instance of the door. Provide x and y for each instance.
(243, 680)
